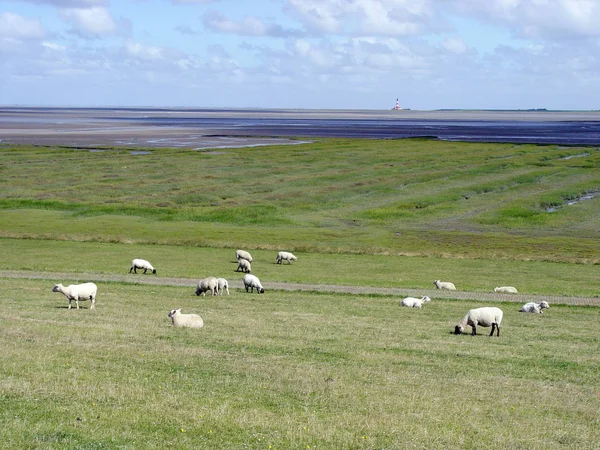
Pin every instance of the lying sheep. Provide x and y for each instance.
(486, 316)
(244, 265)
(222, 285)
(252, 282)
(444, 285)
(536, 308)
(285, 256)
(185, 320)
(506, 290)
(413, 302)
(207, 284)
(242, 254)
(85, 291)
(141, 264)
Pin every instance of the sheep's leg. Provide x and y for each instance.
(145, 271)
(77, 303)
(473, 330)
(69, 303)
(130, 270)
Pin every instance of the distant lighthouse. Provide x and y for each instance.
(397, 107)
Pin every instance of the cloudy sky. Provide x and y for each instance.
(357, 54)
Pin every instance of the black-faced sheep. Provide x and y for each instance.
(444, 285)
(85, 291)
(244, 265)
(285, 256)
(533, 307)
(252, 282)
(242, 254)
(488, 316)
(141, 264)
(185, 320)
(207, 284)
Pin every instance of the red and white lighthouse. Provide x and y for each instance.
(397, 107)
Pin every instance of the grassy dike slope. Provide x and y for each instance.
(299, 370)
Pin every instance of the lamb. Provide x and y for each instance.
(251, 281)
(285, 256)
(241, 254)
(506, 290)
(486, 316)
(141, 264)
(85, 291)
(536, 308)
(222, 285)
(244, 265)
(413, 302)
(185, 320)
(444, 285)
(207, 284)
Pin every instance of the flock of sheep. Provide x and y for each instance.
(488, 316)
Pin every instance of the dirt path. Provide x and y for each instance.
(352, 290)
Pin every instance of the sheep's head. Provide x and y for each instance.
(56, 288)
(426, 299)
(174, 312)
(458, 329)
(496, 289)
(154, 271)
(261, 290)
(544, 304)
(198, 291)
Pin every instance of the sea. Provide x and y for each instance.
(568, 128)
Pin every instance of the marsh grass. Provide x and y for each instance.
(403, 197)
(289, 370)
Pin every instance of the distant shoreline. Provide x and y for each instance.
(202, 128)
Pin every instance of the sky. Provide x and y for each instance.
(305, 54)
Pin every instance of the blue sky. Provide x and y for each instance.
(356, 54)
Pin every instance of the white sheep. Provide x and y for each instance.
(244, 265)
(85, 291)
(413, 302)
(242, 254)
(486, 317)
(141, 264)
(506, 290)
(252, 282)
(222, 285)
(444, 285)
(536, 308)
(185, 320)
(207, 284)
(285, 256)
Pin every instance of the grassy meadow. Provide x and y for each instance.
(299, 370)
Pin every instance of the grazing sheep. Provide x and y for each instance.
(141, 264)
(444, 285)
(486, 316)
(244, 265)
(222, 285)
(413, 302)
(506, 290)
(251, 281)
(285, 256)
(536, 308)
(207, 284)
(241, 254)
(85, 291)
(185, 320)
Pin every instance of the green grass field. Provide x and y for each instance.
(299, 370)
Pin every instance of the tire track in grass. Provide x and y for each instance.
(341, 289)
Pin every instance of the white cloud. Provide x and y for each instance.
(248, 26)
(90, 22)
(19, 27)
(537, 19)
(144, 52)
